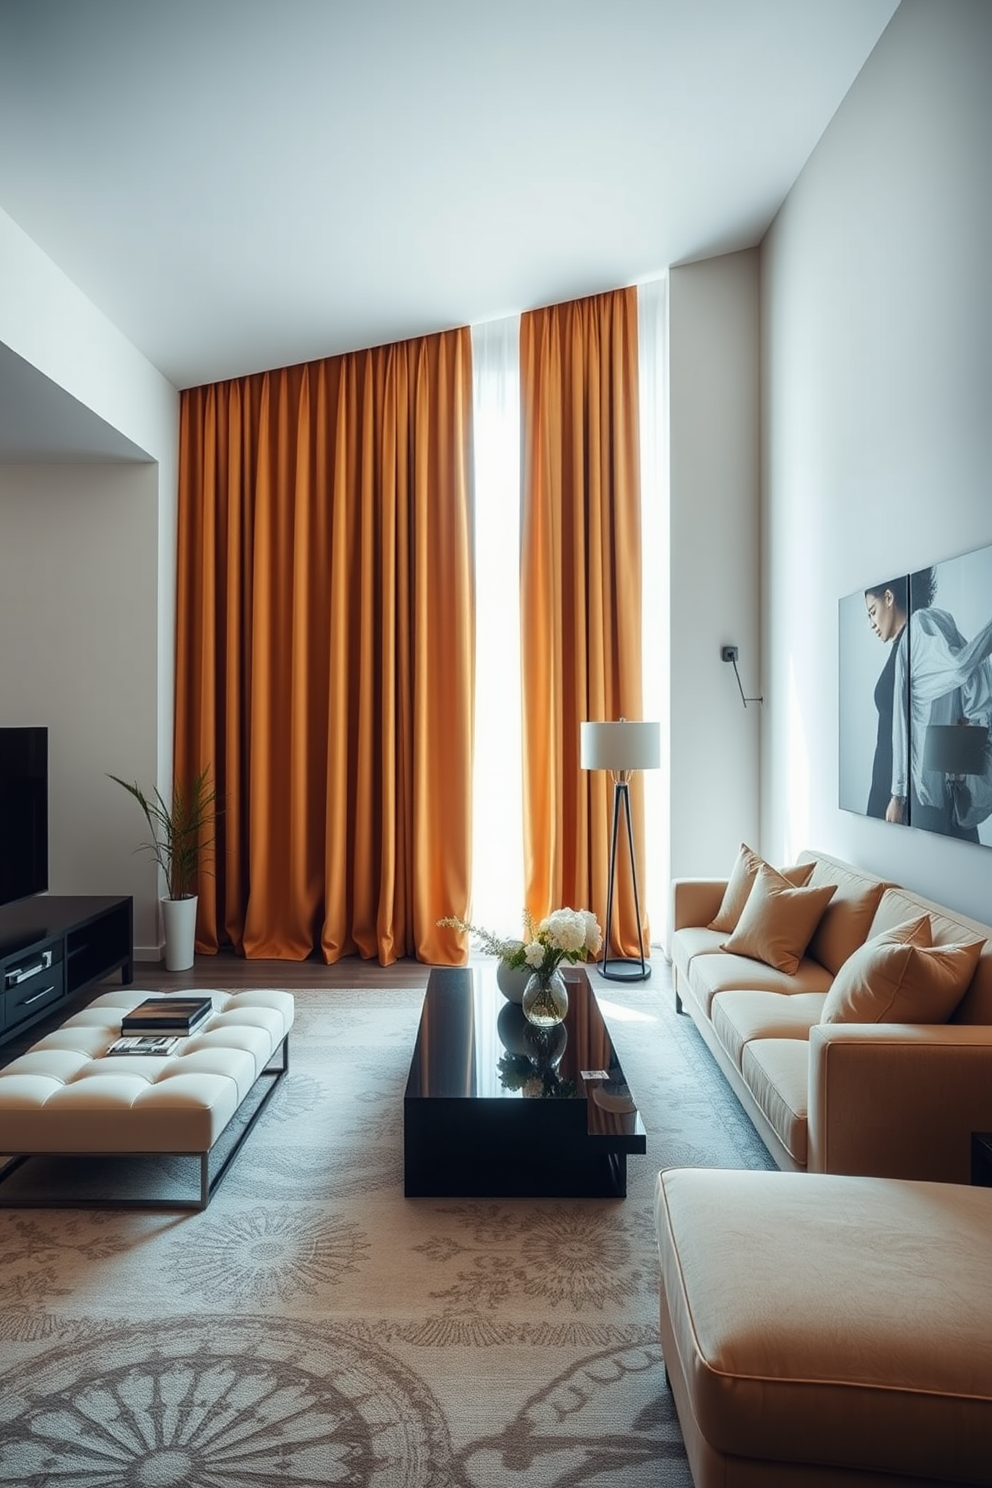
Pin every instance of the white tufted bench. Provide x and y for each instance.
(63, 1097)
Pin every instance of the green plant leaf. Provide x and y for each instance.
(181, 834)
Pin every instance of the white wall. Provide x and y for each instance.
(713, 377)
(87, 589)
(46, 320)
(877, 408)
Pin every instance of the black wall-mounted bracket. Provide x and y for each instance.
(731, 653)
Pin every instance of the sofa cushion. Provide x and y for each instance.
(741, 882)
(847, 920)
(776, 1071)
(725, 973)
(778, 921)
(691, 942)
(832, 1320)
(899, 977)
(738, 1017)
(896, 906)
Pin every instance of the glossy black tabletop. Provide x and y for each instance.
(494, 1105)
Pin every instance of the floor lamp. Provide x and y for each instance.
(621, 747)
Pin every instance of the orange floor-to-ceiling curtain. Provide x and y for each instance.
(580, 595)
(325, 649)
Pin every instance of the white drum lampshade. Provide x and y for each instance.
(621, 746)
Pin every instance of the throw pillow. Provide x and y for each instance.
(846, 924)
(741, 881)
(778, 920)
(900, 977)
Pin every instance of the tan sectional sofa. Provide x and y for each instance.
(896, 1100)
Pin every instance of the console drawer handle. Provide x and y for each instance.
(43, 993)
(23, 973)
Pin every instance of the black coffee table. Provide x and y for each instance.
(495, 1109)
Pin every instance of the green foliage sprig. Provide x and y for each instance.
(510, 951)
(178, 841)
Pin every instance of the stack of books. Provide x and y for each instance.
(170, 1016)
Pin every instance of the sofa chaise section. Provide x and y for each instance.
(825, 1329)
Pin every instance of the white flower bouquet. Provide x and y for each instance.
(564, 935)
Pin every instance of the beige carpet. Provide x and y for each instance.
(314, 1327)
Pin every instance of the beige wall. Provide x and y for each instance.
(77, 613)
(877, 407)
(87, 588)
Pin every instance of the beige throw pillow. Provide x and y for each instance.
(846, 925)
(741, 881)
(778, 920)
(900, 977)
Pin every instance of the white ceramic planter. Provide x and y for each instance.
(512, 981)
(179, 919)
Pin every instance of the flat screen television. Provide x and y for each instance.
(23, 813)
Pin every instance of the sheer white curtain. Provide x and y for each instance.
(498, 843)
(652, 346)
(498, 869)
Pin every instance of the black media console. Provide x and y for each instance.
(53, 947)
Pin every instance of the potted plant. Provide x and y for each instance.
(178, 842)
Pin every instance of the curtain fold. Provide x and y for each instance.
(325, 649)
(580, 595)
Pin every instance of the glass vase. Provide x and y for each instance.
(545, 999)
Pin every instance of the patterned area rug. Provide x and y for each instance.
(314, 1327)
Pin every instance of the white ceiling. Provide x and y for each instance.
(240, 184)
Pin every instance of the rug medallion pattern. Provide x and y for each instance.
(314, 1327)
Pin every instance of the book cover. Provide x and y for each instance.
(161, 1013)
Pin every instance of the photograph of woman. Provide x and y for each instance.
(888, 611)
(867, 701)
(937, 630)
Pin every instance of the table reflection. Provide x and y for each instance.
(532, 1056)
(474, 1044)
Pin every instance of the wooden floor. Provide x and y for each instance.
(228, 972)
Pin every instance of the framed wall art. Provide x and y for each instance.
(915, 704)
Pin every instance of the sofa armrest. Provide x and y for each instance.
(898, 1100)
(695, 901)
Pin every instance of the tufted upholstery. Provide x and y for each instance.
(62, 1096)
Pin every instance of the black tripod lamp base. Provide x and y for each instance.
(620, 969)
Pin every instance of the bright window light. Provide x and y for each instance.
(498, 852)
(498, 849)
(651, 356)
